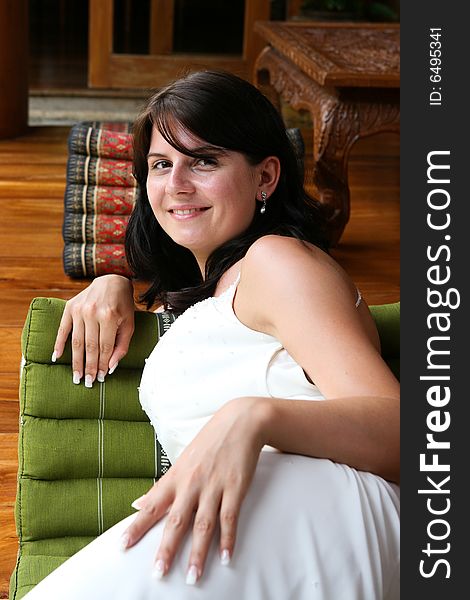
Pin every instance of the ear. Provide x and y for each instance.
(269, 171)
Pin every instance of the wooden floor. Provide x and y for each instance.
(32, 180)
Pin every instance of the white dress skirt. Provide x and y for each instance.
(309, 529)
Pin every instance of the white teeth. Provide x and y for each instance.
(187, 211)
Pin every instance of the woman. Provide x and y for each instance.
(268, 393)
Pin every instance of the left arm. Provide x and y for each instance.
(361, 431)
(334, 343)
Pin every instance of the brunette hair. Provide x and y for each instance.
(227, 112)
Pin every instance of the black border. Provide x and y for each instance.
(424, 129)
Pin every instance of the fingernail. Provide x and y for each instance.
(191, 576)
(138, 503)
(113, 368)
(76, 377)
(158, 569)
(54, 356)
(88, 381)
(124, 541)
(100, 376)
(225, 558)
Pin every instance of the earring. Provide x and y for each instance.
(264, 197)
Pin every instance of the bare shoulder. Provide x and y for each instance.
(282, 275)
(283, 244)
(276, 262)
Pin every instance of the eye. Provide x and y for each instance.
(160, 164)
(206, 162)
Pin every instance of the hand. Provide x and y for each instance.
(210, 478)
(101, 319)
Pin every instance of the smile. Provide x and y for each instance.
(187, 211)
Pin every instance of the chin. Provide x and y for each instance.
(191, 245)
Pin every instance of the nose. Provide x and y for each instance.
(179, 180)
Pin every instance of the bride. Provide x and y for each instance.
(268, 393)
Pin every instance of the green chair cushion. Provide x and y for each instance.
(387, 320)
(85, 454)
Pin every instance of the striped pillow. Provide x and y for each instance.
(84, 454)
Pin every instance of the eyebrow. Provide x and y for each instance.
(200, 151)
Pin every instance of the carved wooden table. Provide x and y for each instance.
(348, 76)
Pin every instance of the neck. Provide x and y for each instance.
(201, 263)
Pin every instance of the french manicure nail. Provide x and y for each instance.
(76, 377)
(124, 541)
(137, 504)
(225, 558)
(100, 376)
(113, 368)
(54, 356)
(88, 381)
(158, 569)
(191, 576)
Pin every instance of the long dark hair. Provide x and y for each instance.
(230, 113)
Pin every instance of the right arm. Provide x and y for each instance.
(101, 321)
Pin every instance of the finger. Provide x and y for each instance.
(203, 530)
(107, 342)
(121, 343)
(229, 511)
(65, 327)
(177, 524)
(92, 333)
(152, 510)
(78, 346)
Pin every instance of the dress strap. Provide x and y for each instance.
(358, 298)
(230, 291)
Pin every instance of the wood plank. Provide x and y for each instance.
(10, 350)
(33, 157)
(252, 42)
(24, 189)
(46, 209)
(148, 71)
(36, 274)
(100, 42)
(162, 13)
(9, 387)
(27, 219)
(8, 539)
(16, 302)
(10, 415)
(32, 172)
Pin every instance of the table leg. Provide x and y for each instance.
(340, 117)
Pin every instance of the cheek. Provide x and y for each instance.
(152, 195)
(244, 201)
(242, 211)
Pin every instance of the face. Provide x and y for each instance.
(200, 203)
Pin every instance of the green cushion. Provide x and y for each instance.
(387, 320)
(85, 454)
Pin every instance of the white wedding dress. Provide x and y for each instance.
(309, 529)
